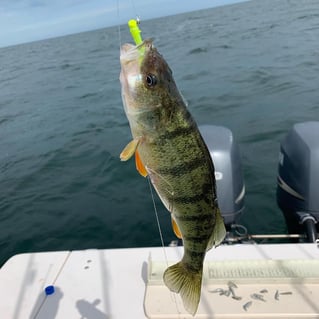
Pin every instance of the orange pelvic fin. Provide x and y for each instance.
(176, 229)
(139, 165)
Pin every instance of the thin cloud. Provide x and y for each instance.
(29, 20)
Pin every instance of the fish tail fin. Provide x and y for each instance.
(187, 283)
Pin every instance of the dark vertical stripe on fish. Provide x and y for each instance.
(180, 131)
(189, 199)
(193, 218)
(183, 168)
(197, 239)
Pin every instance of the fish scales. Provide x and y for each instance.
(170, 149)
(188, 188)
(193, 188)
(183, 181)
(181, 164)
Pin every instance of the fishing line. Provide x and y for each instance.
(134, 9)
(157, 219)
(118, 22)
(173, 296)
(148, 178)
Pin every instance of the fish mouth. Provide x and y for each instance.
(130, 52)
(131, 58)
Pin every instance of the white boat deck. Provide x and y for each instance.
(126, 283)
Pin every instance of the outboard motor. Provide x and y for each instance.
(298, 179)
(228, 173)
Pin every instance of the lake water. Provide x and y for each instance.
(252, 67)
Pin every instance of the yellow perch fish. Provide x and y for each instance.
(170, 150)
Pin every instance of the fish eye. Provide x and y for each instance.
(151, 80)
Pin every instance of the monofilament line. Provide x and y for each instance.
(157, 219)
(161, 236)
(118, 22)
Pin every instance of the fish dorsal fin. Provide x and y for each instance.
(139, 165)
(129, 149)
(219, 232)
(176, 229)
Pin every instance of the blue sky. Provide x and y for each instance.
(30, 20)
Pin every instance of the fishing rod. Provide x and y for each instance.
(237, 238)
(230, 238)
(240, 233)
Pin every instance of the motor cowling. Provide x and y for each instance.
(228, 171)
(298, 179)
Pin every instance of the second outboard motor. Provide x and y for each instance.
(228, 173)
(298, 179)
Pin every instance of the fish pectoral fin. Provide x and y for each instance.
(129, 149)
(219, 232)
(176, 230)
(139, 165)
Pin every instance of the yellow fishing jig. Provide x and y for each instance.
(135, 31)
